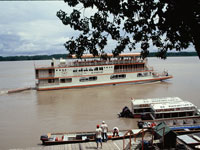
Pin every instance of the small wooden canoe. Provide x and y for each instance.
(79, 137)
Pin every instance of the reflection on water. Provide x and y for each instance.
(27, 115)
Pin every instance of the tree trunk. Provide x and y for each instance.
(195, 35)
(196, 44)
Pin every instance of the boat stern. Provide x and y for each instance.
(44, 138)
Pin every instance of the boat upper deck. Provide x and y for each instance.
(88, 60)
(171, 107)
(137, 103)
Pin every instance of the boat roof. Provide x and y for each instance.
(182, 104)
(187, 139)
(155, 100)
(108, 55)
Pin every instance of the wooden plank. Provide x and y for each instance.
(69, 147)
(75, 146)
(109, 145)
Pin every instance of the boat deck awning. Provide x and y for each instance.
(188, 139)
(183, 105)
(149, 101)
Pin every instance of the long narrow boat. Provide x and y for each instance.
(94, 71)
(80, 137)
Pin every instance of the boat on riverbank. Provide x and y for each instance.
(94, 71)
(144, 108)
(172, 110)
(80, 137)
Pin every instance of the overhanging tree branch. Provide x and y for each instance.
(165, 23)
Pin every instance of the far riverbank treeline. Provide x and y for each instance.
(58, 56)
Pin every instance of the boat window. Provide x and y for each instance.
(158, 116)
(85, 69)
(90, 69)
(65, 80)
(74, 70)
(51, 80)
(146, 74)
(84, 79)
(100, 68)
(80, 70)
(174, 114)
(182, 114)
(62, 80)
(166, 115)
(92, 78)
(121, 76)
(139, 75)
(190, 113)
(96, 69)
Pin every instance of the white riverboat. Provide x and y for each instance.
(93, 71)
(143, 107)
(171, 110)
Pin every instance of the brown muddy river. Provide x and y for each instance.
(26, 115)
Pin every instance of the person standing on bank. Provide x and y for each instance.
(104, 128)
(98, 136)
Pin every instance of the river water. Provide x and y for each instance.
(26, 115)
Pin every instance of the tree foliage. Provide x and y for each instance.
(166, 24)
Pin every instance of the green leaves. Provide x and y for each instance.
(166, 24)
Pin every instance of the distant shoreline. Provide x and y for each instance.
(57, 56)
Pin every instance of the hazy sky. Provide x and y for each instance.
(32, 28)
(28, 28)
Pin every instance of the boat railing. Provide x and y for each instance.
(131, 134)
(103, 62)
(79, 63)
(131, 70)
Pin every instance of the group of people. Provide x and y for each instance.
(101, 133)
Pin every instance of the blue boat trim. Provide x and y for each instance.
(184, 127)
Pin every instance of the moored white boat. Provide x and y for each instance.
(143, 107)
(172, 110)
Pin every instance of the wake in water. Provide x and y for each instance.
(16, 90)
(3, 92)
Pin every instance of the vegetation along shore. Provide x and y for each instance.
(57, 56)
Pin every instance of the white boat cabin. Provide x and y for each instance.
(172, 110)
(144, 105)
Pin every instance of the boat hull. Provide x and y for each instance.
(60, 138)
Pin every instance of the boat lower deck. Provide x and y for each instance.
(176, 122)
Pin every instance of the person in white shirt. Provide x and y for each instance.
(98, 136)
(115, 131)
(104, 128)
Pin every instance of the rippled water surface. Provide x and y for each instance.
(26, 115)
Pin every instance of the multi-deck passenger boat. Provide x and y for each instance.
(172, 110)
(144, 107)
(92, 71)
